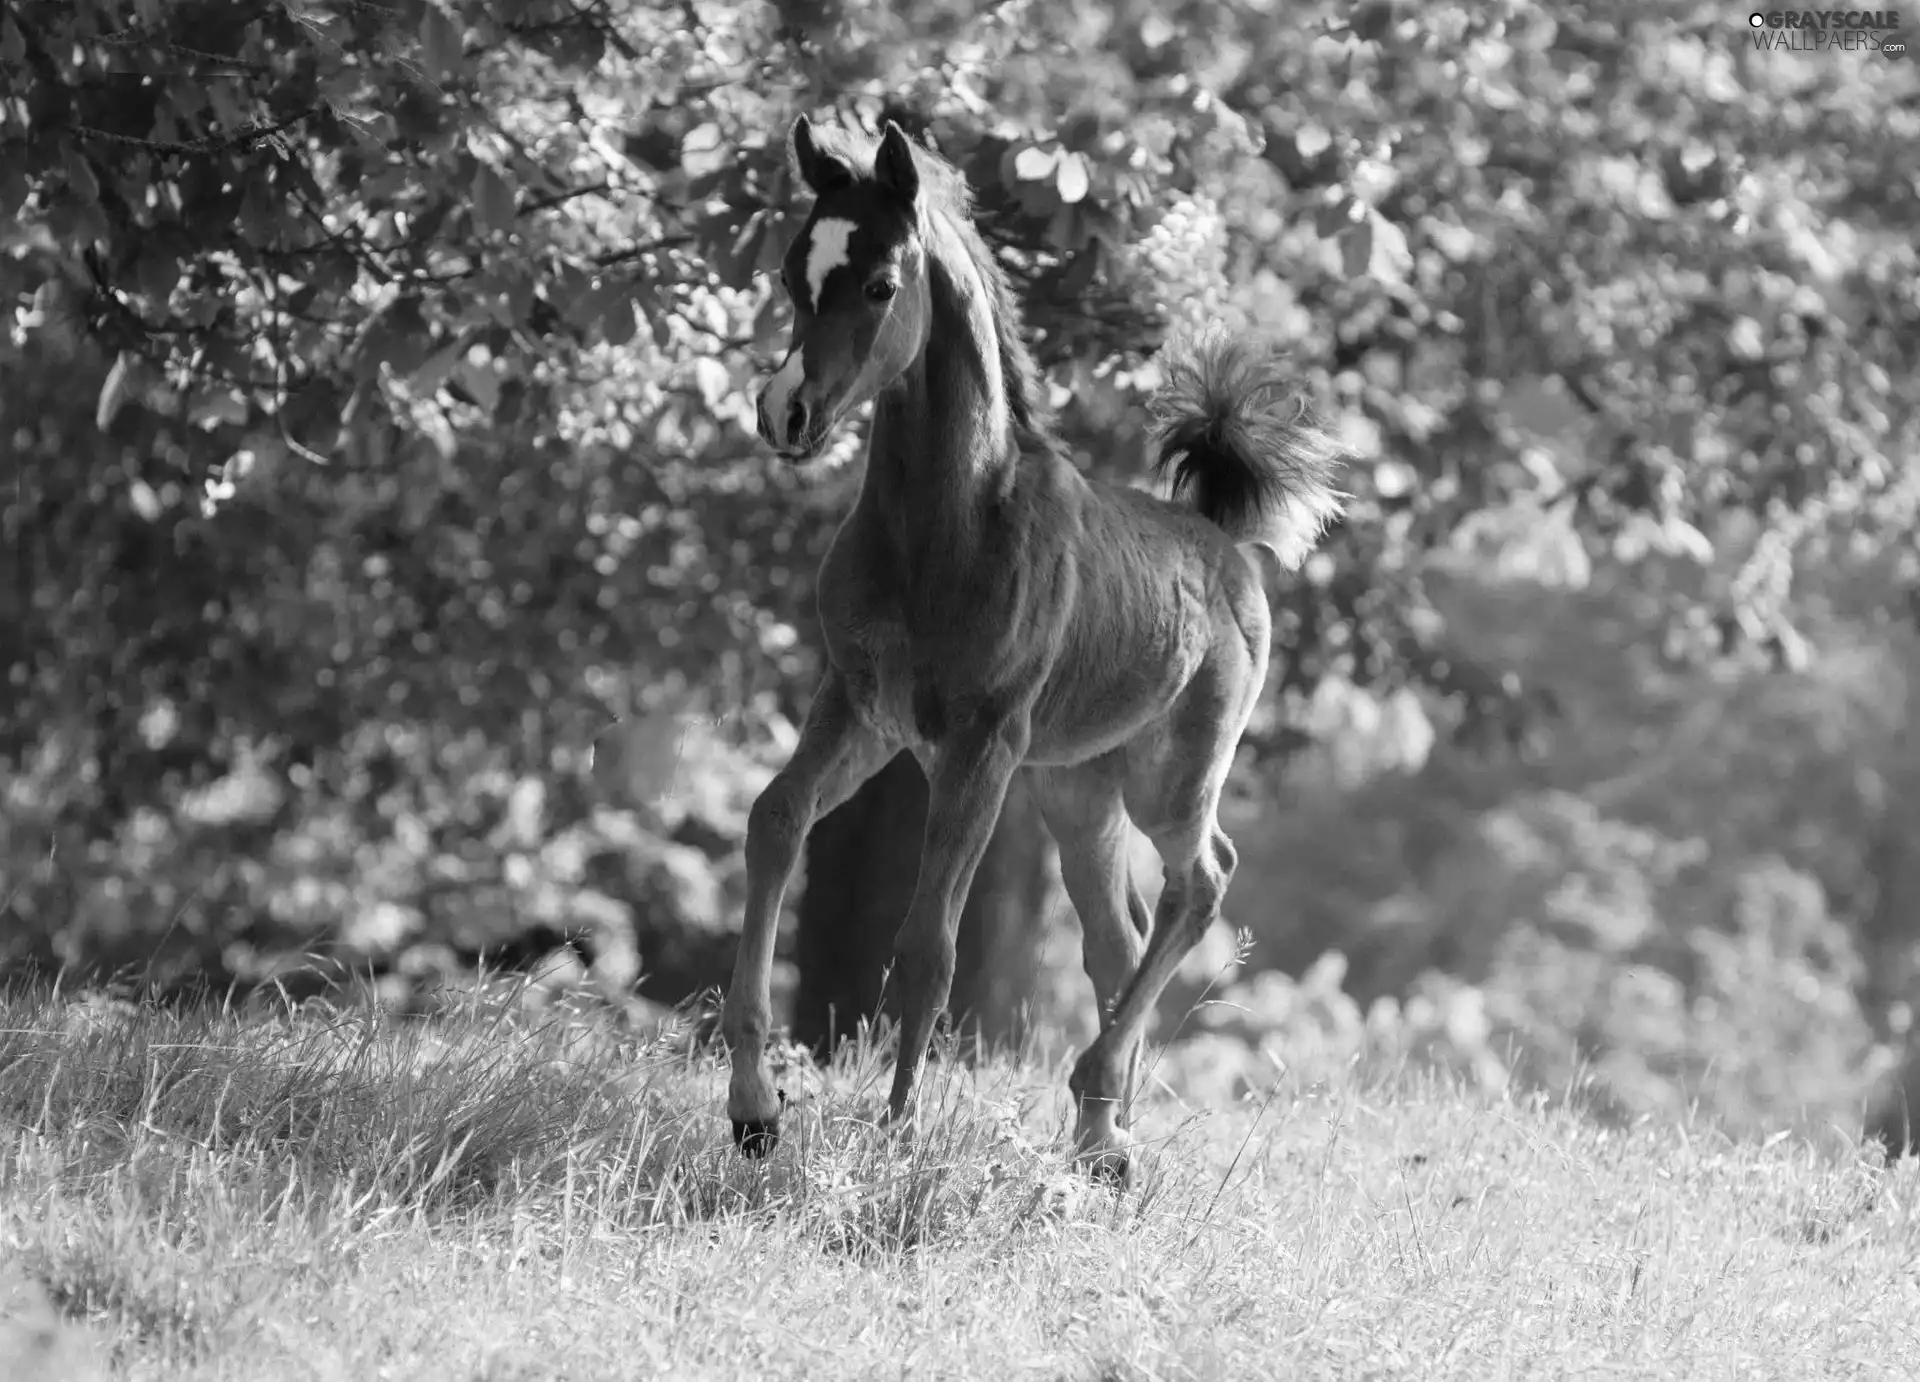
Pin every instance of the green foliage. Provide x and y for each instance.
(377, 424)
(1601, 895)
(1554, 964)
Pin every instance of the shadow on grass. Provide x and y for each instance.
(136, 1140)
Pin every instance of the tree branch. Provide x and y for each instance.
(645, 247)
(213, 143)
(561, 198)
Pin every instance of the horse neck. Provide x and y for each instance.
(942, 445)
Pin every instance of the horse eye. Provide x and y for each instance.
(881, 289)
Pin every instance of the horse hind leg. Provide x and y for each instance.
(1087, 817)
(1199, 867)
(1182, 820)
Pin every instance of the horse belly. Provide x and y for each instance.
(1080, 716)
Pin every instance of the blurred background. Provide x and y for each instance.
(376, 431)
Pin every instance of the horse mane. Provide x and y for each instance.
(944, 191)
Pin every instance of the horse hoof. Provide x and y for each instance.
(1109, 1168)
(756, 1137)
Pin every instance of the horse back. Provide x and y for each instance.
(1092, 605)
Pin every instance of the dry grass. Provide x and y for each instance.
(493, 1195)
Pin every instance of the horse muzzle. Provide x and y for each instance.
(787, 424)
(785, 419)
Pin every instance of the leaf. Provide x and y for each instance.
(12, 46)
(159, 272)
(398, 337)
(1543, 547)
(1681, 538)
(513, 402)
(582, 45)
(219, 406)
(566, 288)
(1746, 339)
(733, 249)
(1790, 647)
(14, 190)
(1373, 20)
(481, 381)
(1065, 231)
(768, 323)
(712, 379)
(1081, 271)
(653, 146)
(1392, 479)
(435, 427)
(1375, 248)
(1034, 164)
(703, 152)
(145, 502)
(1391, 259)
(1073, 178)
(259, 210)
(266, 453)
(1406, 733)
(1040, 198)
(1356, 249)
(440, 44)
(113, 393)
(590, 307)
(773, 249)
(1335, 217)
(617, 320)
(493, 204)
(80, 177)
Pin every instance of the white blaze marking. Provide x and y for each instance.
(779, 395)
(826, 251)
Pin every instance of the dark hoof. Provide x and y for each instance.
(757, 1138)
(1110, 1168)
(1110, 1171)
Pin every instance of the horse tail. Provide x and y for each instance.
(1245, 447)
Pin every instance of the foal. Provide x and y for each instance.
(989, 608)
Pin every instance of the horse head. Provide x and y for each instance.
(857, 275)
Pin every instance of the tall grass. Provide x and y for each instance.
(494, 1192)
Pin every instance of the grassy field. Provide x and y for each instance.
(492, 1195)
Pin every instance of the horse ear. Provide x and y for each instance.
(894, 168)
(820, 170)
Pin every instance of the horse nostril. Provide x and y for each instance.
(796, 420)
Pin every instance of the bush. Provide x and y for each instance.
(1573, 953)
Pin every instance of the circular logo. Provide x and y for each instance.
(1756, 20)
(1894, 46)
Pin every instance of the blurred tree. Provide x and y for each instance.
(1565, 267)
(415, 338)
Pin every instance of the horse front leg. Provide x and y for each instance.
(967, 786)
(835, 755)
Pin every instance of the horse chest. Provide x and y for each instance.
(921, 649)
(879, 673)
(896, 687)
